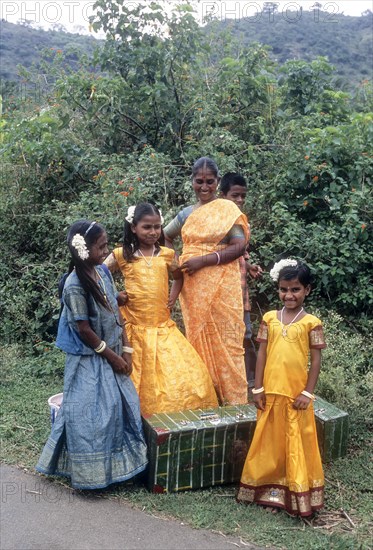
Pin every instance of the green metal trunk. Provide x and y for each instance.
(202, 448)
(194, 449)
(332, 426)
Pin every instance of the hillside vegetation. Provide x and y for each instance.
(23, 45)
(346, 41)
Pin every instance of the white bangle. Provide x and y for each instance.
(127, 349)
(218, 255)
(259, 390)
(308, 394)
(101, 347)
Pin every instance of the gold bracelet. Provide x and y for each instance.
(101, 347)
(308, 394)
(259, 390)
(127, 349)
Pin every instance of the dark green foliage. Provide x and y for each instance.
(92, 144)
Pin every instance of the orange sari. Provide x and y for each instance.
(211, 299)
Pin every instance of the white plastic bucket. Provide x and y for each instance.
(55, 402)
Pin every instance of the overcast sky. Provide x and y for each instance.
(73, 14)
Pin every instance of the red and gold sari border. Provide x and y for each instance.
(280, 496)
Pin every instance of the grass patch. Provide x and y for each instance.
(345, 523)
(26, 384)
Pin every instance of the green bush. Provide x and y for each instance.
(346, 376)
(99, 142)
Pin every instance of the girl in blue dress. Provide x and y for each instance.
(97, 437)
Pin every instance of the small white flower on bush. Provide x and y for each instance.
(78, 242)
(275, 271)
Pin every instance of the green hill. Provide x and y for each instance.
(346, 41)
(22, 45)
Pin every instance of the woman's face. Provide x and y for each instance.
(205, 184)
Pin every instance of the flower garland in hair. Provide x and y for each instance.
(78, 242)
(275, 271)
(131, 214)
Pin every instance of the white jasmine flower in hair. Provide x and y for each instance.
(162, 218)
(78, 242)
(130, 214)
(275, 271)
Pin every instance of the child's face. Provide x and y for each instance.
(148, 230)
(99, 251)
(237, 194)
(292, 293)
(204, 184)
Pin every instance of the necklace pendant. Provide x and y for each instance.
(149, 263)
(284, 332)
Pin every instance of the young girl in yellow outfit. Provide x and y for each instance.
(168, 373)
(283, 467)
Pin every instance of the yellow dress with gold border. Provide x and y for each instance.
(283, 467)
(168, 373)
(211, 299)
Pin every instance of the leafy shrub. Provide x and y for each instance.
(346, 378)
(99, 142)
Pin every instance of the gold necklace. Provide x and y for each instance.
(285, 328)
(150, 262)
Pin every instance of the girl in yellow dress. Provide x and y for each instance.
(168, 373)
(283, 467)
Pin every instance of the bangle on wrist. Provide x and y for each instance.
(259, 390)
(218, 256)
(127, 349)
(308, 394)
(101, 347)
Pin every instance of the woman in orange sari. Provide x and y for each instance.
(214, 233)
